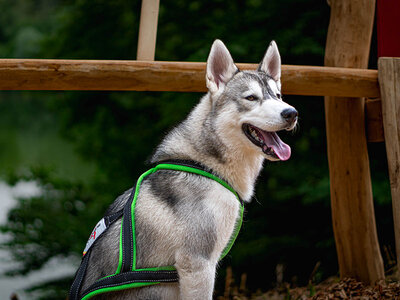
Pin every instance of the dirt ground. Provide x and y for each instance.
(330, 289)
(344, 289)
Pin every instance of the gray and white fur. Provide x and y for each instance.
(186, 220)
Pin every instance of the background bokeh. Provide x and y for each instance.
(82, 149)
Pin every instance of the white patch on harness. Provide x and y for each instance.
(97, 231)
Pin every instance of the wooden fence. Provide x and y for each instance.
(345, 89)
(119, 75)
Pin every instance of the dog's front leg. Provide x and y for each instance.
(196, 278)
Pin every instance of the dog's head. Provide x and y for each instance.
(250, 102)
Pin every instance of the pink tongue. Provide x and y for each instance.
(273, 141)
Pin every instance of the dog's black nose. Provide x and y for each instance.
(289, 114)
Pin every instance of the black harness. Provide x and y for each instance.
(127, 275)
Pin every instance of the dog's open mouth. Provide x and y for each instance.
(269, 142)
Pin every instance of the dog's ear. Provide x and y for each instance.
(271, 63)
(220, 67)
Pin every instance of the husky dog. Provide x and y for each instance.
(185, 220)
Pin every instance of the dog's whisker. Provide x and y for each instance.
(296, 128)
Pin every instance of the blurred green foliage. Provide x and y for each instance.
(96, 143)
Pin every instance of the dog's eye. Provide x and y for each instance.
(251, 98)
(278, 95)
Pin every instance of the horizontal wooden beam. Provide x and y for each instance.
(106, 75)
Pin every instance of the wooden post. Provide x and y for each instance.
(389, 81)
(373, 122)
(348, 44)
(148, 30)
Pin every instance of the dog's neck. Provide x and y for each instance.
(199, 138)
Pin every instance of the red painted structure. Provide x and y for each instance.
(388, 28)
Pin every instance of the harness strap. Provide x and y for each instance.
(197, 168)
(80, 274)
(113, 217)
(128, 280)
(127, 276)
(127, 236)
(76, 285)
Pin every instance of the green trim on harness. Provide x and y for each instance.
(118, 288)
(183, 169)
(163, 166)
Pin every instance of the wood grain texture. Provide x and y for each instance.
(51, 74)
(374, 123)
(108, 75)
(389, 80)
(348, 43)
(148, 30)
